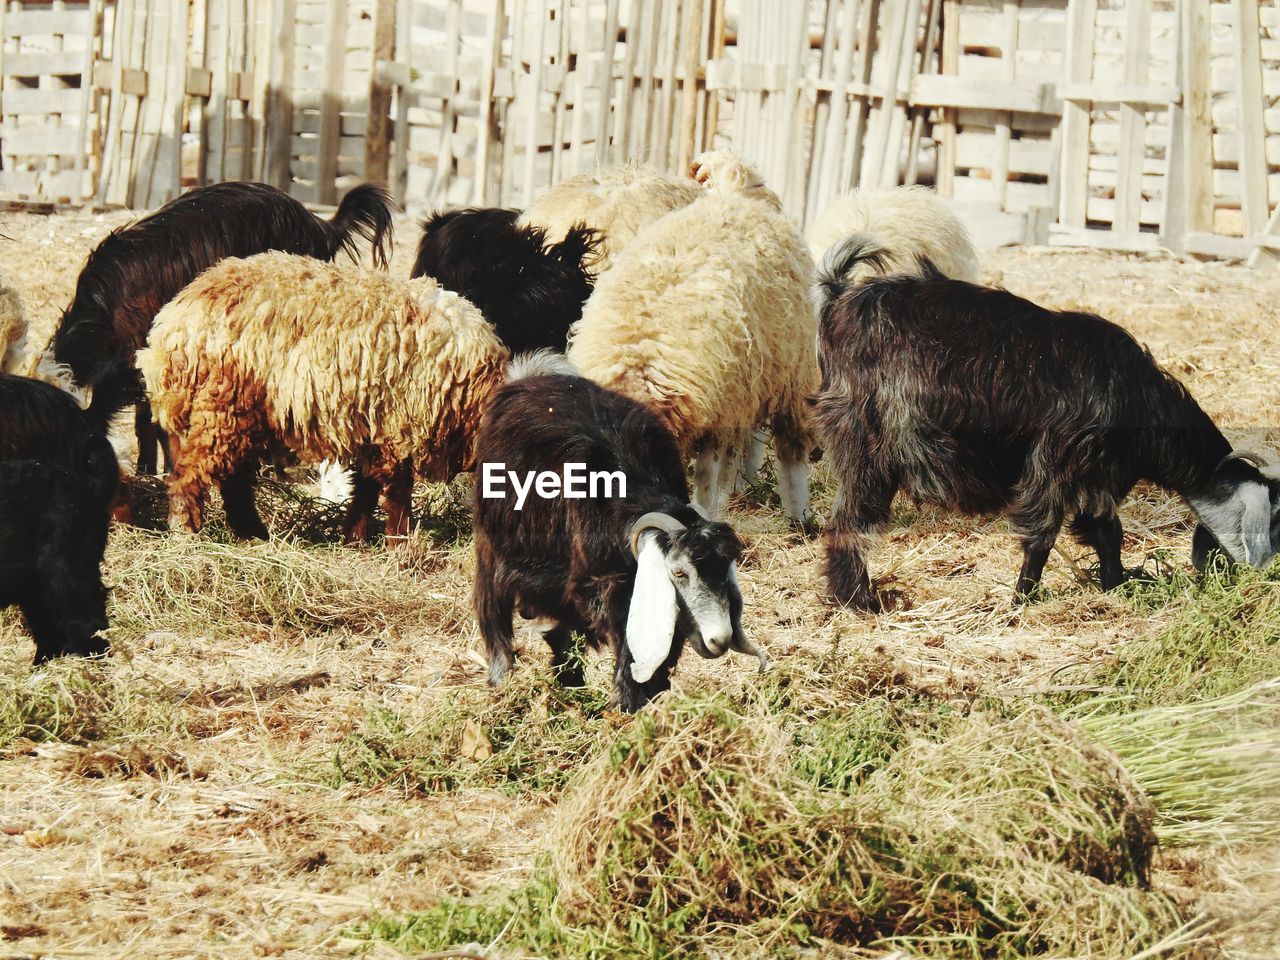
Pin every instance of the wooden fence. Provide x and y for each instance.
(1128, 124)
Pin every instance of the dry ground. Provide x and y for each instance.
(213, 828)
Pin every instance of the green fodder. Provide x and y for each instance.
(531, 736)
(1225, 638)
(997, 837)
(178, 582)
(1212, 766)
(82, 701)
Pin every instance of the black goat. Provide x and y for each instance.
(58, 477)
(979, 401)
(531, 291)
(639, 573)
(140, 267)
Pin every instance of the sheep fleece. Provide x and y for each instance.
(910, 222)
(706, 317)
(327, 358)
(617, 203)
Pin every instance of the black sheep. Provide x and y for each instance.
(58, 477)
(531, 292)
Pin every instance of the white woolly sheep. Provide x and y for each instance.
(280, 352)
(617, 204)
(706, 319)
(901, 226)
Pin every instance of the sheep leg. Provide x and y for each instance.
(364, 496)
(494, 607)
(147, 432)
(752, 460)
(188, 487)
(1104, 533)
(397, 500)
(706, 472)
(237, 500)
(793, 468)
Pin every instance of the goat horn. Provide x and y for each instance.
(1257, 459)
(653, 521)
(699, 511)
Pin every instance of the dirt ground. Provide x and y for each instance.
(213, 838)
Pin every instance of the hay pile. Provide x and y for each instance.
(988, 835)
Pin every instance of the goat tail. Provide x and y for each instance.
(118, 386)
(541, 363)
(364, 212)
(580, 248)
(833, 275)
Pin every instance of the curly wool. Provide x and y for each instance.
(706, 317)
(905, 223)
(616, 203)
(329, 360)
(16, 355)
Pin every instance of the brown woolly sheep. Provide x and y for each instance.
(279, 354)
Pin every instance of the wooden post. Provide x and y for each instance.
(1073, 207)
(1249, 103)
(1133, 125)
(377, 127)
(492, 53)
(918, 116)
(279, 132)
(330, 135)
(689, 102)
(945, 178)
(606, 84)
(534, 85)
(448, 110)
(717, 51)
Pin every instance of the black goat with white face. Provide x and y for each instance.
(979, 401)
(530, 290)
(640, 574)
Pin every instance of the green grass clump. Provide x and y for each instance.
(1224, 638)
(82, 701)
(532, 736)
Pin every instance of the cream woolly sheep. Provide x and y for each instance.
(902, 225)
(617, 204)
(706, 319)
(328, 362)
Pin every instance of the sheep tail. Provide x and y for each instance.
(365, 212)
(832, 278)
(541, 363)
(118, 386)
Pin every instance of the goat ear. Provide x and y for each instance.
(740, 641)
(1241, 522)
(1255, 523)
(651, 618)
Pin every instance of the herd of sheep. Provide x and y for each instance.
(629, 323)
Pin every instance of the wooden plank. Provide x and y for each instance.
(1253, 161)
(718, 29)
(689, 95)
(1126, 94)
(581, 87)
(882, 117)
(1266, 255)
(37, 22)
(279, 117)
(1003, 131)
(25, 100)
(938, 90)
(945, 131)
(493, 52)
(55, 63)
(1132, 119)
(1078, 58)
(377, 132)
(932, 25)
(1213, 245)
(532, 93)
(1060, 236)
(330, 106)
(40, 141)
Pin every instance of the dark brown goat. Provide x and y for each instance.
(140, 267)
(979, 401)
